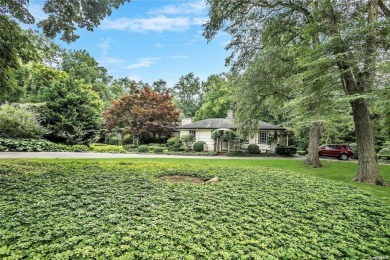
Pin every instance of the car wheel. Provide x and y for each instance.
(344, 157)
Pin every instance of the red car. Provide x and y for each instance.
(340, 151)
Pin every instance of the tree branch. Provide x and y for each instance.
(384, 8)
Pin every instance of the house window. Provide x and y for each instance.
(262, 138)
(193, 132)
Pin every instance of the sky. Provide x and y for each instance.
(152, 39)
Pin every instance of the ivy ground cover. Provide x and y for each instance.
(120, 209)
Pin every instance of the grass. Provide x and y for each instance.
(118, 208)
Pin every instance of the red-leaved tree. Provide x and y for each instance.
(142, 113)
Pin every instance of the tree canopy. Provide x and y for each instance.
(350, 39)
(63, 16)
(141, 113)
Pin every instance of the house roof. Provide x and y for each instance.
(221, 123)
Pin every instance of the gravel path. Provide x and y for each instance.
(69, 155)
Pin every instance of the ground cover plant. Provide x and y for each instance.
(121, 208)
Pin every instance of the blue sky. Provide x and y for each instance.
(152, 39)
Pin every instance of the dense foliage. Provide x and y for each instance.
(285, 150)
(72, 112)
(37, 145)
(109, 209)
(199, 146)
(253, 149)
(19, 122)
(143, 149)
(143, 113)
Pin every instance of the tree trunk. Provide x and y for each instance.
(312, 157)
(357, 81)
(368, 170)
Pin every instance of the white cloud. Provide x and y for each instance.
(134, 77)
(176, 57)
(155, 24)
(196, 7)
(159, 45)
(105, 44)
(112, 60)
(142, 63)
(199, 20)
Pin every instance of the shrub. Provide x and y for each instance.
(199, 146)
(354, 150)
(130, 147)
(159, 150)
(108, 148)
(174, 142)
(253, 149)
(188, 139)
(38, 145)
(143, 149)
(384, 153)
(79, 148)
(18, 122)
(127, 139)
(285, 150)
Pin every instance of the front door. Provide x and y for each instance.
(224, 146)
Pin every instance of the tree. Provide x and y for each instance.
(16, 48)
(218, 98)
(141, 113)
(72, 112)
(81, 66)
(189, 92)
(352, 34)
(63, 16)
(36, 79)
(160, 86)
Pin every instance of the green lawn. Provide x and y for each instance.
(69, 209)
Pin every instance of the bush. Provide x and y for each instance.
(108, 148)
(79, 148)
(143, 149)
(384, 153)
(130, 147)
(199, 146)
(18, 122)
(253, 149)
(174, 142)
(285, 150)
(37, 145)
(354, 150)
(159, 150)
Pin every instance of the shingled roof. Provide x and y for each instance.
(224, 123)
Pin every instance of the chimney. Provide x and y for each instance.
(186, 120)
(230, 114)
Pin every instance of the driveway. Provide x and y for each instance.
(69, 155)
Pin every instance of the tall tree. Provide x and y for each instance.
(189, 93)
(72, 112)
(142, 112)
(219, 97)
(81, 66)
(16, 48)
(160, 86)
(351, 36)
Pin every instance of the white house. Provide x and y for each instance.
(203, 129)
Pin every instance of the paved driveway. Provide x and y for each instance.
(69, 155)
